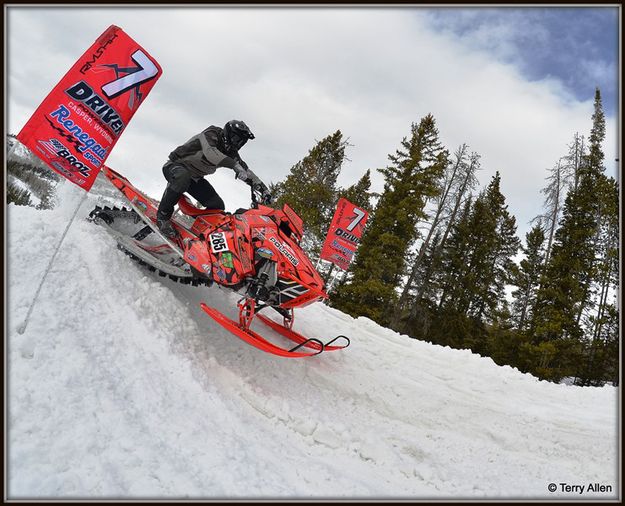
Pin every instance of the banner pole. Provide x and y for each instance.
(336, 275)
(318, 262)
(22, 328)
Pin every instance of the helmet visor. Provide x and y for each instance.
(237, 140)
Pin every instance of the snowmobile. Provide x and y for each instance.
(255, 252)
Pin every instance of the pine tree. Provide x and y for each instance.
(310, 188)
(453, 260)
(421, 313)
(571, 269)
(500, 246)
(18, 196)
(38, 181)
(446, 183)
(597, 135)
(562, 292)
(601, 339)
(459, 177)
(566, 291)
(358, 193)
(608, 245)
(479, 255)
(563, 176)
(554, 196)
(461, 204)
(477, 266)
(410, 181)
(573, 161)
(527, 278)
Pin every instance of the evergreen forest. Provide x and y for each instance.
(440, 259)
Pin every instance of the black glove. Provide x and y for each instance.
(267, 198)
(262, 191)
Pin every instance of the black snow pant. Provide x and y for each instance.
(180, 181)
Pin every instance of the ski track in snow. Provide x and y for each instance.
(122, 387)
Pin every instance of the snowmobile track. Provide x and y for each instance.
(106, 216)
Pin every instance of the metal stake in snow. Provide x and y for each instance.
(22, 328)
(318, 262)
(334, 278)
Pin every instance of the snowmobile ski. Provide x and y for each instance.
(256, 340)
(300, 339)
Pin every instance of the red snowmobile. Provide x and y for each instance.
(254, 252)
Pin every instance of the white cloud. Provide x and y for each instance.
(296, 75)
(598, 72)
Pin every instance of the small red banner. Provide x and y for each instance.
(76, 126)
(344, 234)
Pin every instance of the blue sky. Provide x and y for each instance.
(578, 46)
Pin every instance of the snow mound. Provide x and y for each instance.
(122, 387)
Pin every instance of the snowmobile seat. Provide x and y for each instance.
(186, 207)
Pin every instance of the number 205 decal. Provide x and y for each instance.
(218, 242)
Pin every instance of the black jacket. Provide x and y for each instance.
(203, 153)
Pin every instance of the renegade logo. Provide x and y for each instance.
(82, 139)
(349, 253)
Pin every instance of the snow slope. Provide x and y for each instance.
(121, 387)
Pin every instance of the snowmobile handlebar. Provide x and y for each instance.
(254, 198)
(260, 195)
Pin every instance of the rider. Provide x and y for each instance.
(200, 156)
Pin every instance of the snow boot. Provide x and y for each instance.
(165, 226)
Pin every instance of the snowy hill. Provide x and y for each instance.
(122, 387)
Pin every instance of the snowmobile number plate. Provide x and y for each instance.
(218, 242)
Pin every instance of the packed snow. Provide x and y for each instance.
(122, 387)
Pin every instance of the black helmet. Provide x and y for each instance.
(236, 134)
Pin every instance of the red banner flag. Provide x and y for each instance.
(344, 234)
(76, 126)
